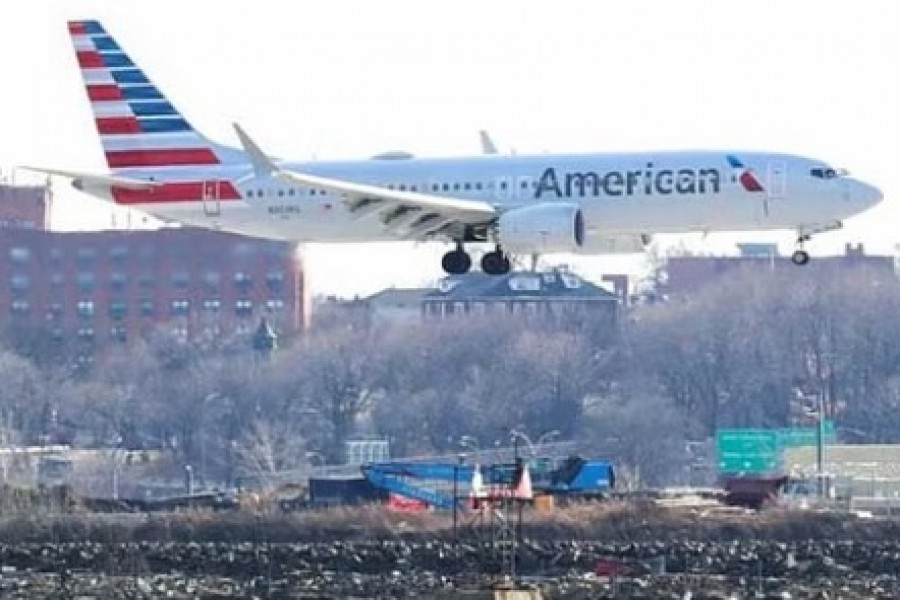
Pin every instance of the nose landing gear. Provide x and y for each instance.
(800, 256)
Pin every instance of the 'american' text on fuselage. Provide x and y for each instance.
(646, 181)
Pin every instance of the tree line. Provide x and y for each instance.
(754, 349)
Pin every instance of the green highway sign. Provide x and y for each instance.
(760, 451)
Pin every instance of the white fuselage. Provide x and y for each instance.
(619, 194)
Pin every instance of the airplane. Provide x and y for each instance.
(521, 204)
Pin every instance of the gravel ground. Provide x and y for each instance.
(660, 553)
(401, 569)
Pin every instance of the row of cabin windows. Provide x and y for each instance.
(118, 309)
(466, 186)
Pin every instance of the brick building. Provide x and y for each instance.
(24, 207)
(687, 274)
(96, 288)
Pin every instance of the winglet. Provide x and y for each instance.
(262, 164)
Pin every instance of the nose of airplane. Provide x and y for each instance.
(864, 194)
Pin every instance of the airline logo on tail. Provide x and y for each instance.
(138, 127)
(747, 177)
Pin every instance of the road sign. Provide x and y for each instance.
(759, 451)
(753, 451)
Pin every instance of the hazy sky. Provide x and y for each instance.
(341, 79)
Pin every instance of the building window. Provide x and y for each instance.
(56, 255)
(85, 308)
(118, 309)
(212, 279)
(57, 279)
(179, 308)
(275, 305)
(181, 279)
(18, 282)
(85, 255)
(19, 254)
(212, 305)
(243, 249)
(147, 309)
(275, 281)
(20, 307)
(117, 334)
(86, 334)
(243, 308)
(85, 281)
(56, 310)
(118, 253)
(118, 281)
(242, 281)
(145, 281)
(147, 253)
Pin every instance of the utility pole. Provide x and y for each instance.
(820, 444)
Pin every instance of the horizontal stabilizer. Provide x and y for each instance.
(108, 180)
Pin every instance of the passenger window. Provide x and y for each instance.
(446, 187)
(478, 185)
(467, 186)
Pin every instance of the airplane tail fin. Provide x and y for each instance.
(138, 127)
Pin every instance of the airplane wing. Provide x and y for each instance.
(419, 214)
(422, 214)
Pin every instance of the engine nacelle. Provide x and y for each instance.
(542, 228)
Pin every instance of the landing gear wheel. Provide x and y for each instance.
(800, 257)
(495, 263)
(456, 262)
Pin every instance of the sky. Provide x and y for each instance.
(349, 79)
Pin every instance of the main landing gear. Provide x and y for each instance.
(495, 263)
(458, 262)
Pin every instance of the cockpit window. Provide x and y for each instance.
(823, 172)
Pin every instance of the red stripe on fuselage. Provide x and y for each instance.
(182, 191)
(161, 158)
(114, 125)
(76, 28)
(90, 59)
(99, 93)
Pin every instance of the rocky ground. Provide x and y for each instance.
(644, 552)
(401, 569)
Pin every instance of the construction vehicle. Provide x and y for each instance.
(433, 482)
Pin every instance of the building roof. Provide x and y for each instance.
(550, 285)
(398, 297)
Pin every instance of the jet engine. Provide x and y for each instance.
(542, 228)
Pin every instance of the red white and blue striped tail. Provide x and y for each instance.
(139, 128)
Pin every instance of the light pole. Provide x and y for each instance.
(460, 460)
(546, 437)
(313, 454)
(470, 442)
